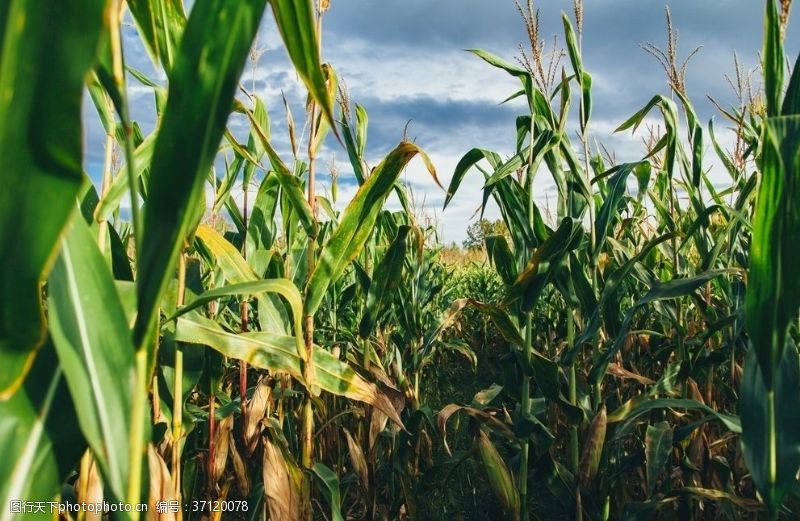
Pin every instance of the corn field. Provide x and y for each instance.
(281, 354)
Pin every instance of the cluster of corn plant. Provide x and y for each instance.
(185, 355)
(627, 322)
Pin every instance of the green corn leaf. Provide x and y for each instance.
(501, 257)
(142, 157)
(90, 334)
(672, 289)
(773, 293)
(358, 221)
(468, 161)
(236, 270)
(586, 101)
(278, 353)
(791, 104)
(203, 82)
(583, 77)
(45, 55)
(225, 186)
(40, 438)
(696, 141)
(513, 202)
(572, 45)
(657, 446)
(771, 422)
(772, 59)
(102, 104)
(500, 63)
(298, 27)
(282, 287)
(612, 204)
(613, 283)
(721, 154)
(261, 228)
(255, 149)
(545, 141)
(290, 184)
(160, 24)
(384, 282)
(670, 113)
(540, 269)
(632, 411)
(505, 325)
(362, 121)
(498, 475)
(330, 482)
(352, 147)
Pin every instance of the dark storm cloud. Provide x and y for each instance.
(439, 124)
(404, 60)
(614, 31)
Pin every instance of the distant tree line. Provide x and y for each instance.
(482, 228)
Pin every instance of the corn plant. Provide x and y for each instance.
(688, 265)
(111, 339)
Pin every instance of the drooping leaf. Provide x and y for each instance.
(282, 481)
(44, 57)
(278, 353)
(358, 221)
(593, 448)
(469, 160)
(330, 482)
(283, 287)
(670, 113)
(632, 411)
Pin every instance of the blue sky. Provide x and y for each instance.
(405, 60)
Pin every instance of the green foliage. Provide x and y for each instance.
(44, 59)
(312, 362)
(480, 230)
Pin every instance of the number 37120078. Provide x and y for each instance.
(218, 506)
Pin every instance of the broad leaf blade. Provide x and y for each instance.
(772, 448)
(92, 340)
(278, 353)
(773, 293)
(385, 281)
(40, 438)
(203, 82)
(44, 57)
(657, 443)
(297, 24)
(358, 221)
